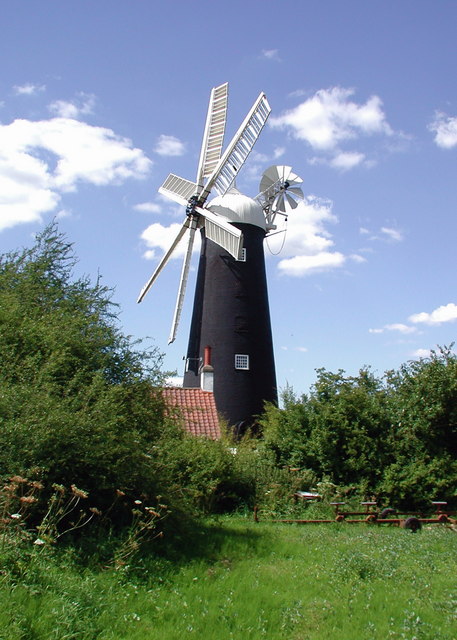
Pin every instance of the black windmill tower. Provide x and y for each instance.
(231, 317)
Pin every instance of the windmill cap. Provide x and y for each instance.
(237, 207)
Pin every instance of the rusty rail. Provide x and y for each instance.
(412, 521)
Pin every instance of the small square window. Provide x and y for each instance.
(242, 257)
(241, 361)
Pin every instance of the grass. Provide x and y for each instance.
(237, 579)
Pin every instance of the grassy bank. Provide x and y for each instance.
(236, 579)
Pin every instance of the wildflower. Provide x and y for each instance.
(18, 479)
(96, 511)
(27, 499)
(37, 485)
(120, 493)
(16, 516)
(79, 493)
(39, 542)
(152, 512)
(137, 501)
(59, 488)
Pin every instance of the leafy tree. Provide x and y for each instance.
(286, 431)
(423, 405)
(77, 399)
(338, 431)
(350, 424)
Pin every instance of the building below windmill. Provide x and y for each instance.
(195, 410)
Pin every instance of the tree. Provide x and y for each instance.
(423, 407)
(79, 402)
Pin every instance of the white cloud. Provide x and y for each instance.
(83, 105)
(385, 234)
(41, 160)
(392, 234)
(271, 54)
(63, 213)
(28, 89)
(169, 146)
(347, 160)
(148, 207)
(304, 265)
(396, 327)
(445, 313)
(158, 236)
(308, 245)
(421, 353)
(445, 129)
(400, 327)
(329, 118)
(356, 258)
(278, 152)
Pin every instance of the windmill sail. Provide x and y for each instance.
(222, 232)
(239, 148)
(178, 189)
(183, 282)
(213, 137)
(164, 260)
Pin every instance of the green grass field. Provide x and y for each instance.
(237, 579)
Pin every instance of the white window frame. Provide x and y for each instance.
(241, 361)
(243, 255)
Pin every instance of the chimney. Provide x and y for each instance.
(207, 371)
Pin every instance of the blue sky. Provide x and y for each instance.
(99, 101)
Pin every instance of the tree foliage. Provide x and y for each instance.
(76, 396)
(394, 436)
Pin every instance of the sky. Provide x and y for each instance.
(99, 101)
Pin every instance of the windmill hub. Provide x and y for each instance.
(190, 208)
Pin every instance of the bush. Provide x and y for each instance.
(78, 404)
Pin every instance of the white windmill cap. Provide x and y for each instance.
(237, 207)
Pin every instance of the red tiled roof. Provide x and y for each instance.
(197, 409)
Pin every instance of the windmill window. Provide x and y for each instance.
(242, 257)
(241, 361)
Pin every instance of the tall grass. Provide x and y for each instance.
(237, 579)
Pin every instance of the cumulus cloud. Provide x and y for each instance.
(160, 237)
(389, 234)
(392, 234)
(396, 327)
(421, 353)
(445, 313)
(270, 54)
(40, 160)
(169, 146)
(347, 160)
(82, 105)
(355, 257)
(329, 119)
(148, 207)
(308, 246)
(445, 129)
(28, 89)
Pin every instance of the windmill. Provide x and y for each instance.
(231, 317)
